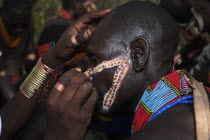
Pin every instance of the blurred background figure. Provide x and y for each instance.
(201, 12)
(71, 10)
(192, 39)
(192, 16)
(54, 28)
(76, 8)
(17, 51)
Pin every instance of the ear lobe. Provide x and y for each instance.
(139, 54)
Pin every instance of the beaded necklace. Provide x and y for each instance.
(171, 90)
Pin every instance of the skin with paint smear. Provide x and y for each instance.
(148, 37)
(119, 75)
(129, 39)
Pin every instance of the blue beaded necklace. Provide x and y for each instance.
(171, 90)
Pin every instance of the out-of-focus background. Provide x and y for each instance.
(44, 9)
(29, 28)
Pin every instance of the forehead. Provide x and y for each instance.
(108, 43)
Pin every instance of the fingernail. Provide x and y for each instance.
(87, 74)
(78, 69)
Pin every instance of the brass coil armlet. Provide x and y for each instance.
(35, 79)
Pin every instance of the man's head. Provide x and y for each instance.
(179, 10)
(141, 33)
(76, 8)
(16, 15)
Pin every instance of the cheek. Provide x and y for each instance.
(108, 79)
(127, 95)
(103, 81)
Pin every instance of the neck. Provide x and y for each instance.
(151, 77)
(171, 89)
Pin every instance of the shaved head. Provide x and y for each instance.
(142, 33)
(139, 19)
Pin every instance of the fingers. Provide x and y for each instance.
(82, 37)
(76, 59)
(82, 94)
(85, 22)
(89, 18)
(60, 87)
(90, 104)
(94, 15)
(62, 82)
(72, 87)
(76, 40)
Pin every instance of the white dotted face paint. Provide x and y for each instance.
(120, 73)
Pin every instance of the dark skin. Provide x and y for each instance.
(147, 66)
(20, 104)
(82, 28)
(20, 107)
(116, 44)
(149, 70)
(167, 125)
(74, 83)
(158, 128)
(78, 101)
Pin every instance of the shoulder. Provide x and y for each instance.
(175, 123)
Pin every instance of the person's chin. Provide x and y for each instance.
(100, 110)
(108, 113)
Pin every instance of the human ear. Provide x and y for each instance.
(139, 53)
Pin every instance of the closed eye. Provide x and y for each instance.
(93, 60)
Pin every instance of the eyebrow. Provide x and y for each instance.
(92, 52)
